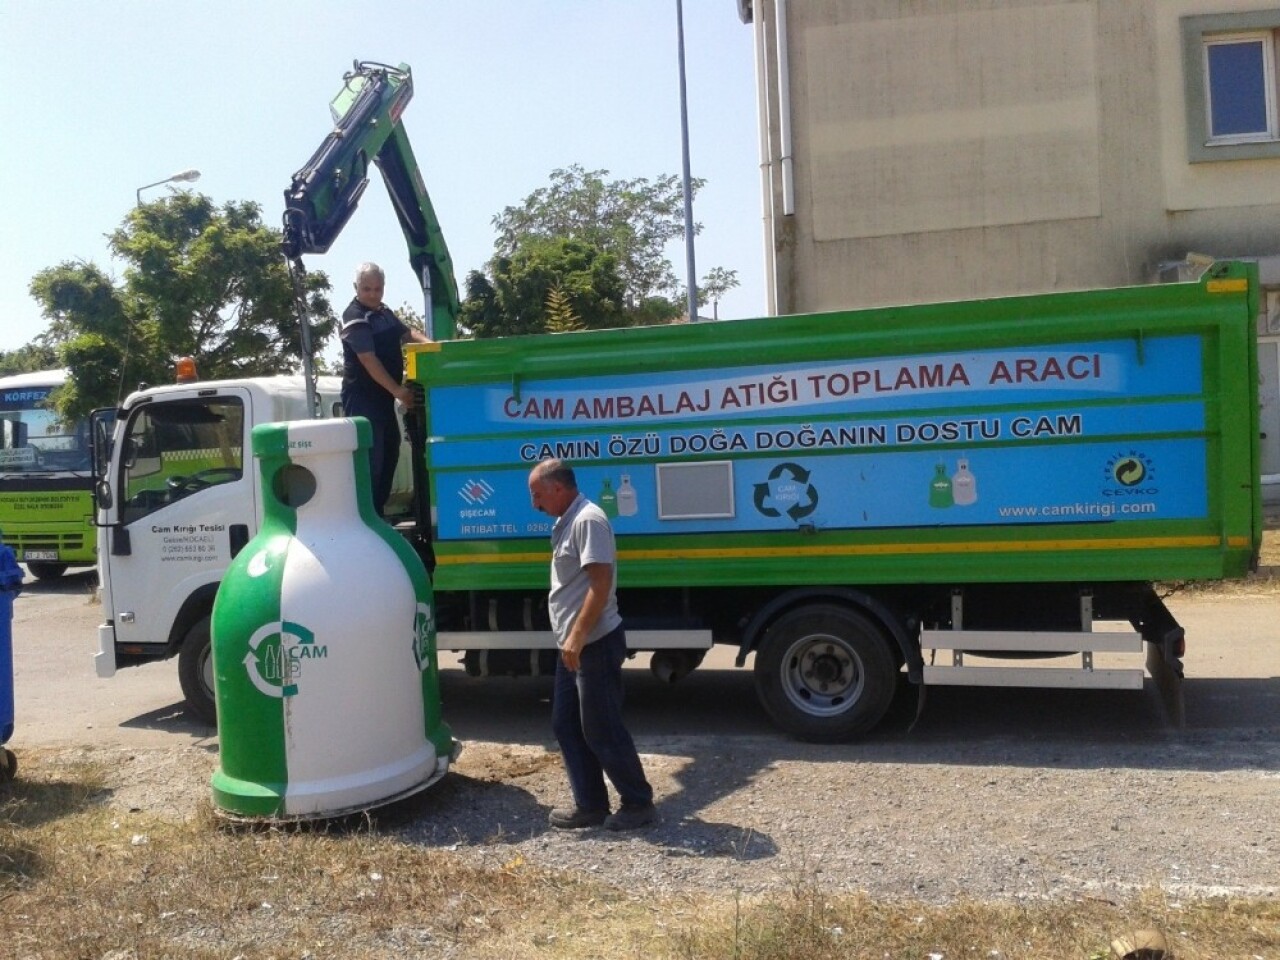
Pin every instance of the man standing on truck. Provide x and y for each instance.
(586, 704)
(372, 371)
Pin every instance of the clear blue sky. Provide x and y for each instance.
(103, 98)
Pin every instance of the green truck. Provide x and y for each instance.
(859, 503)
(46, 478)
(948, 493)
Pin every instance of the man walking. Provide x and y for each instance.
(586, 706)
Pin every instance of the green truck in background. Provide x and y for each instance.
(845, 495)
(46, 478)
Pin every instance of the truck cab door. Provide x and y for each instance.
(182, 500)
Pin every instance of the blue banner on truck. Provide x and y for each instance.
(1081, 432)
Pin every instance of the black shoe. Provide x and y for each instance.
(572, 818)
(631, 816)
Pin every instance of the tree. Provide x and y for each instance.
(560, 315)
(631, 221)
(199, 281)
(514, 301)
(28, 359)
(714, 286)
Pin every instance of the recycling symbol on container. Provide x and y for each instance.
(275, 656)
(788, 491)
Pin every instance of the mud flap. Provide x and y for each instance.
(1166, 643)
(920, 697)
(1166, 671)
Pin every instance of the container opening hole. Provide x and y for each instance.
(294, 485)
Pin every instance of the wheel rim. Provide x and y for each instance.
(206, 671)
(822, 675)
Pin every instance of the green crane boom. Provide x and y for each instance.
(324, 193)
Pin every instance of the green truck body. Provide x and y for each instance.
(46, 478)
(838, 497)
(1016, 464)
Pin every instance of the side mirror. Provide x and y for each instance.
(102, 494)
(101, 425)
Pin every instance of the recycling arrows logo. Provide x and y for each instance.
(275, 667)
(788, 491)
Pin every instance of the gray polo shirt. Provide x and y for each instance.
(581, 536)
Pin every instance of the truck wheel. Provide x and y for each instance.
(195, 671)
(825, 673)
(45, 570)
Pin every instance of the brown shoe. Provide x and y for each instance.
(631, 817)
(572, 818)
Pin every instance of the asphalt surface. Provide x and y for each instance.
(1232, 690)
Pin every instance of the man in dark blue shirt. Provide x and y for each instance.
(372, 370)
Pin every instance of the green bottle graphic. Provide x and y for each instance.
(940, 488)
(608, 499)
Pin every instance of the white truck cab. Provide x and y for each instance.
(179, 498)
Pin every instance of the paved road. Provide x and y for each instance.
(1233, 690)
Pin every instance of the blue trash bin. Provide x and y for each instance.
(10, 587)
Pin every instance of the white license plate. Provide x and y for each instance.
(40, 555)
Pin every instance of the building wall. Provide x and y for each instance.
(949, 149)
(927, 150)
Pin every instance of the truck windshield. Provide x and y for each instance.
(176, 448)
(34, 439)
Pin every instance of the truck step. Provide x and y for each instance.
(1024, 641)
(995, 643)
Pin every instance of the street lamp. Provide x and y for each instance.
(186, 176)
(688, 185)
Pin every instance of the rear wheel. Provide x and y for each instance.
(195, 671)
(46, 570)
(825, 672)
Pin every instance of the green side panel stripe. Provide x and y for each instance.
(253, 774)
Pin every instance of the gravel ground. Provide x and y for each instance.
(992, 796)
(1004, 819)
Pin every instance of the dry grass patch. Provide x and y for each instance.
(816, 926)
(80, 879)
(1269, 555)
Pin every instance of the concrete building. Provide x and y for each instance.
(926, 150)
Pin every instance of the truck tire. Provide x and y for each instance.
(46, 570)
(825, 672)
(195, 671)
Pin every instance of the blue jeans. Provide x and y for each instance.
(384, 453)
(586, 716)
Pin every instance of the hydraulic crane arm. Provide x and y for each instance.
(325, 192)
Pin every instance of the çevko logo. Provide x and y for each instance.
(277, 651)
(1130, 474)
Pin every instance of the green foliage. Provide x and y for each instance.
(28, 359)
(627, 223)
(631, 219)
(560, 315)
(515, 301)
(199, 281)
(717, 282)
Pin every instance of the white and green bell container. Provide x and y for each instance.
(324, 652)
